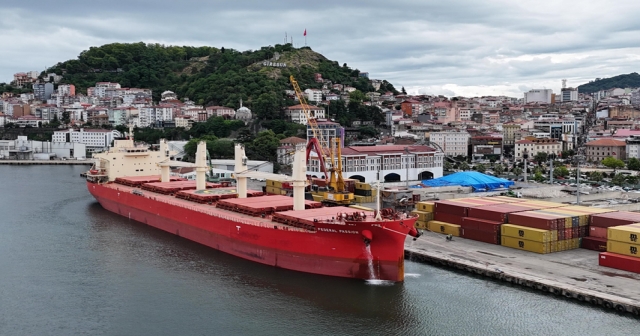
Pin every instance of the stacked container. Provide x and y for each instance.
(623, 248)
(277, 187)
(364, 192)
(424, 211)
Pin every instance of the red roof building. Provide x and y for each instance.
(598, 150)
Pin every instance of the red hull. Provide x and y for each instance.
(334, 249)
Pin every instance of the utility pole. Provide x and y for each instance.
(578, 158)
(552, 156)
(525, 156)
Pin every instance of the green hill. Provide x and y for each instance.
(208, 75)
(620, 81)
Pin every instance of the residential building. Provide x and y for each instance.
(42, 91)
(569, 94)
(288, 146)
(66, 90)
(598, 150)
(392, 163)
(220, 111)
(94, 139)
(535, 146)
(313, 95)
(411, 107)
(485, 147)
(538, 96)
(451, 143)
(329, 130)
(297, 115)
(509, 131)
(633, 147)
(30, 120)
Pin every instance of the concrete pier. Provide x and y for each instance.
(46, 162)
(574, 274)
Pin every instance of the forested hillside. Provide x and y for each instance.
(208, 75)
(621, 81)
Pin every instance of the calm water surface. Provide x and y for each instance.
(69, 267)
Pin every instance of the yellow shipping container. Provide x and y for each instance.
(425, 206)
(624, 233)
(317, 198)
(276, 191)
(423, 215)
(523, 232)
(363, 186)
(574, 243)
(527, 245)
(632, 250)
(443, 227)
(421, 225)
(359, 199)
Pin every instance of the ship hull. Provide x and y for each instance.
(325, 253)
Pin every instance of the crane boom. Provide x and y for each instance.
(311, 120)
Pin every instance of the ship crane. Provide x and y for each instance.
(336, 195)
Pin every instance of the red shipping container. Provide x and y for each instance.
(448, 218)
(534, 220)
(583, 231)
(594, 244)
(416, 197)
(618, 261)
(597, 232)
(483, 236)
(454, 208)
(496, 213)
(610, 219)
(480, 224)
(561, 235)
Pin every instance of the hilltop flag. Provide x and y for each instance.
(305, 32)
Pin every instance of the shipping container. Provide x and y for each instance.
(594, 244)
(598, 232)
(449, 218)
(527, 245)
(618, 261)
(362, 186)
(631, 250)
(425, 206)
(444, 228)
(496, 213)
(626, 234)
(481, 225)
(523, 232)
(614, 219)
(423, 215)
(421, 225)
(536, 220)
(482, 236)
(506, 199)
(450, 207)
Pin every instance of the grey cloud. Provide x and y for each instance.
(497, 44)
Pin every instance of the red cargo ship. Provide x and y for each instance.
(280, 231)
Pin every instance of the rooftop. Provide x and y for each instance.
(607, 143)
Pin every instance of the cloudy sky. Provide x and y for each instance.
(454, 47)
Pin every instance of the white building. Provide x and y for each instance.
(452, 143)
(93, 139)
(569, 95)
(297, 115)
(101, 88)
(393, 162)
(313, 95)
(66, 90)
(538, 96)
(25, 149)
(534, 147)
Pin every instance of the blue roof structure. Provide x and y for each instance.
(478, 181)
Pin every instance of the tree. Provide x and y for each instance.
(613, 163)
(618, 179)
(498, 169)
(561, 171)
(633, 164)
(540, 157)
(481, 168)
(595, 176)
(357, 96)
(538, 177)
(404, 92)
(464, 166)
(517, 171)
(447, 166)
(632, 179)
(264, 147)
(368, 131)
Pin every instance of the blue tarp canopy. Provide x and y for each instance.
(479, 181)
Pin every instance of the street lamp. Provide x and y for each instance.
(525, 156)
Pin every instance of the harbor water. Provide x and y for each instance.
(69, 267)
